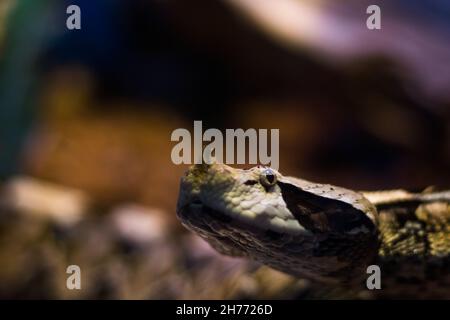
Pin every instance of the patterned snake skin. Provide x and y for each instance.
(324, 233)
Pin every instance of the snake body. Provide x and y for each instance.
(321, 232)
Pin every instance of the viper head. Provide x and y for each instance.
(290, 224)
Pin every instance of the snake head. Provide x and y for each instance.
(293, 225)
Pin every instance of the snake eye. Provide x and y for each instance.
(268, 178)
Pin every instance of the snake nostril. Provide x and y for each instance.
(273, 235)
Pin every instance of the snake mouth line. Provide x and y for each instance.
(196, 211)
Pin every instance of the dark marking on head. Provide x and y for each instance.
(250, 182)
(320, 214)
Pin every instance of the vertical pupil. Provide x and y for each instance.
(270, 178)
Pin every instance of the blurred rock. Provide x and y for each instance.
(30, 196)
(140, 225)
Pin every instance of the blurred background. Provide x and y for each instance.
(86, 116)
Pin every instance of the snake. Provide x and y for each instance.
(326, 234)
